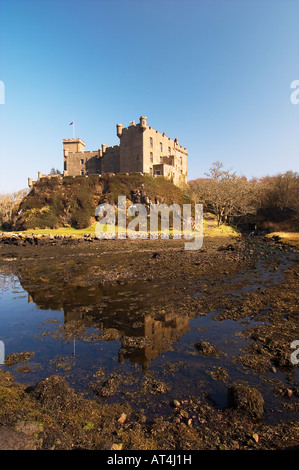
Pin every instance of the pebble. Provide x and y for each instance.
(122, 418)
(184, 414)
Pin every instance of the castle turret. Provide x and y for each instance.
(143, 124)
(119, 129)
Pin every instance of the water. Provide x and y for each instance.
(87, 333)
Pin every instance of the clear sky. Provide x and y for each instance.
(216, 74)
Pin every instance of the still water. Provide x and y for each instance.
(87, 333)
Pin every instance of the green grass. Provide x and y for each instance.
(208, 231)
(57, 231)
(211, 229)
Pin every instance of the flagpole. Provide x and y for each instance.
(73, 124)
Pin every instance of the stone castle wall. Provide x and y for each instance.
(141, 149)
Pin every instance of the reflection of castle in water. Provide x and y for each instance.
(161, 333)
(143, 336)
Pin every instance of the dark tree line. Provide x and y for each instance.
(231, 197)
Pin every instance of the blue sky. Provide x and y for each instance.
(216, 74)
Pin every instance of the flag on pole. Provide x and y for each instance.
(73, 124)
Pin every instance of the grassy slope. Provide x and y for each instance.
(71, 202)
(67, 206)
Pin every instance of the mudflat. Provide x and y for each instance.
(201, 339)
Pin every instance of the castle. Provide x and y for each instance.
(141, 149)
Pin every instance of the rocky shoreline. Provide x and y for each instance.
(21, 239)
(52, 416)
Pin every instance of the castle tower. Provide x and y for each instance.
(143, 121)
(73, 146)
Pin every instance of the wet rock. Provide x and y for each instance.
(282, 359)
(283, 391)
(110, 386)
(13, 440)
(153, 385)
(55, 394)
(29, 428)
(229, 247)
(207, 349)
(247, 400)
(220, 374)
(184, 414)
(15, 358)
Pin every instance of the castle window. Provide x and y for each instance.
(169, 150)
(151, 171)
(82, 172)
(181, 160)
(151, 142)
(65, 166)
(151, 157)
(137, 156)
(161, 147)
(82, 161)
(161, 159)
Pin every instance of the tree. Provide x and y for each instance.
(9, 203)
(55, 171)
(224, 193)
(280, 191)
